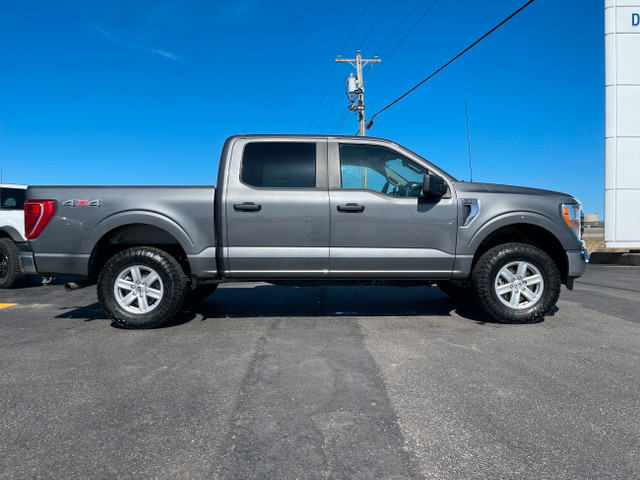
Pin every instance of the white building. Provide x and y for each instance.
(622, 129)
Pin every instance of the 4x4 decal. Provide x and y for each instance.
(82, 203)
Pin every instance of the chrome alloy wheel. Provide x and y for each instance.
(519, 285)
(138, 289)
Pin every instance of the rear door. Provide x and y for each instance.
(276, 209)
(380, 226)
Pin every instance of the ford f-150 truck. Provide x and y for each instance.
(299, 209)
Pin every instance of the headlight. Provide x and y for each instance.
(573, 217)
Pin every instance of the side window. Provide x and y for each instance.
(381, 170)
(279, 165)
(12, 198)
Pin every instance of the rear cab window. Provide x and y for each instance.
(12, 198)
(279, 165)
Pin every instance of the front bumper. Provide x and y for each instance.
(27, 263)
(577, 261)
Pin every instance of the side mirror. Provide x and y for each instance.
(433, 186)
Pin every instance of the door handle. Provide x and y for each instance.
(351, 208)
(247, 207)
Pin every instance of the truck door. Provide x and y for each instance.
(380, 225)
(276, 209)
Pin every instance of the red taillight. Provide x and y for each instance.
(37, 214)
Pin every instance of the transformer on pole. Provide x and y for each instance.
(355, 87)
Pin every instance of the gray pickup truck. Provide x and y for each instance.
(303, 210)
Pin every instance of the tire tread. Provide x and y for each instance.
(172, 300)
(483, 278)
(15, 275)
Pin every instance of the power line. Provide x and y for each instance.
(411, 29)
(338, 126)
(355, 26)
(385, 130)
(324, 92)
(334, 69)
(335, 98)
(399, 26)
(375, 24)
(452, 60)
(405, 37)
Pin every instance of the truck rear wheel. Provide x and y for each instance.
(10, 271)
(141, 287)
(516, 283)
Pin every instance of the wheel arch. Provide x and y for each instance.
(12, 233)
(529, 233)
(137, 234)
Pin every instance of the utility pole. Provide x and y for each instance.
(355, 86)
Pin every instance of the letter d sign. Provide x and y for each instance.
(635, 19)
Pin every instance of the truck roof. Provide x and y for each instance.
(310, 136)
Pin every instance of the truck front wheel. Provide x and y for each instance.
(141, 287)
(516, 283)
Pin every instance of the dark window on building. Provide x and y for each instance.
(12, 198)
(279, 165)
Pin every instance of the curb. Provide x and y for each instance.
(614, 258)
(630, 259)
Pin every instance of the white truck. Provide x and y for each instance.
(12, 240)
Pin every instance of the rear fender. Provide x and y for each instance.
(12, 233)
(123, 219)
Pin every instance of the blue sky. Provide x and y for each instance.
(145, 92)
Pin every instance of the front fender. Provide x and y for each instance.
(471, 244)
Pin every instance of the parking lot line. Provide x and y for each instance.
(5, 305)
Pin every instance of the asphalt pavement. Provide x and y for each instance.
(327, 382)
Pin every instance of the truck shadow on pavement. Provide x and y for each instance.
(278, 301)
(87, 313)
(266, 301)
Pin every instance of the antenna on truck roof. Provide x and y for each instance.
(466, 112)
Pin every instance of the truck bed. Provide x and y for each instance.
(85, 215)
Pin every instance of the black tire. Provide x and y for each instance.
(194, 297)
(11, 274)
(150, 304)
(526, 299)
(460, 291)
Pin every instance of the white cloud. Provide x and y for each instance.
(165, 54)
(134, 46)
